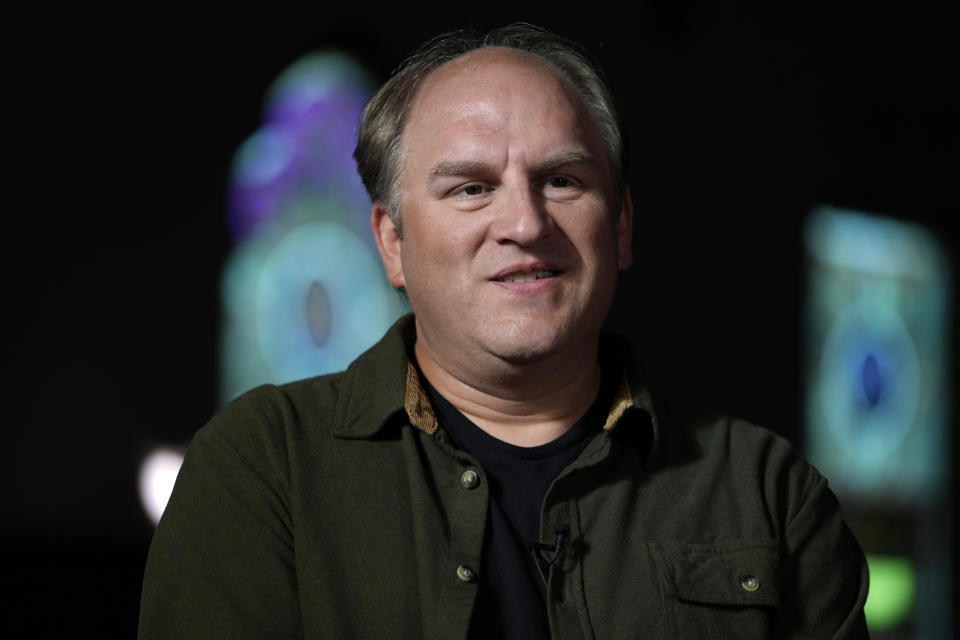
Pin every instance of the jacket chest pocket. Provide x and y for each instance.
(725, 590)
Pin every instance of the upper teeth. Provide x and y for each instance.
(527, 277)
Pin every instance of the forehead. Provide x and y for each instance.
(487, 63)
(490, 89)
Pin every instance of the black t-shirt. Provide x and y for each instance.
(511, 602)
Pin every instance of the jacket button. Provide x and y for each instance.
(470, 479)
(465, 573)
(750, 583)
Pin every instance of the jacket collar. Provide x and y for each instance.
(373, 393)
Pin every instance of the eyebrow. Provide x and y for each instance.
(577, 156)
(457, 168)
(448, 168)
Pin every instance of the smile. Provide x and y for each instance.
(527, 277)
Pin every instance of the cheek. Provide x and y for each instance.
(464, 248)
(435, 253)
(455, 240)
(595, 242)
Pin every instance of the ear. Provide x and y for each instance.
(388, 244)
(625, 231)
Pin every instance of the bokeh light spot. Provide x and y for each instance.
(319, 313)
(893, 585)
(158, 473)
(263, 157)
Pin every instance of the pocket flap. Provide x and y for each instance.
(734, 574)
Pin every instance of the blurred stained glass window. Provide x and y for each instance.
(877, 403)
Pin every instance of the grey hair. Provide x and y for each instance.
(382, 122)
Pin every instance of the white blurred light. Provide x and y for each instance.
(158, 472)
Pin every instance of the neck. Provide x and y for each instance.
(524, 405)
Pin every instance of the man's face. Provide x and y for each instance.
(511, 242)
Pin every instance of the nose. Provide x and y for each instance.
(522, 219)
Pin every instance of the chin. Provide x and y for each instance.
(524, 347)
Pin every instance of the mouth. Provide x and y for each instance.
(528, 276)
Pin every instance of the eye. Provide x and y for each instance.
(561, 187)
(559, 182)
(472, 190)
(470, 196)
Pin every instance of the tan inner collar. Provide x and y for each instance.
(417, 403)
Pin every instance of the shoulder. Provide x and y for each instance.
(710, 435)
(284, 426)
(259, 433)
(277, 409)
(734, 460)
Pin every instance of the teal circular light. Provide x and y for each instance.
(303, 302)
(869, 382)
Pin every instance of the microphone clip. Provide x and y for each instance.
(538, 549)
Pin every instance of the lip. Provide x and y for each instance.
(533, 287)
(532, 267)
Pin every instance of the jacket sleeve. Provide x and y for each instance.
(221, 563)
(825, 580)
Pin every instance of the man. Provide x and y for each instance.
(495, 466)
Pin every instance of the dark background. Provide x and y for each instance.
(123, 124)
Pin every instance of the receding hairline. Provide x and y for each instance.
(489, 55)
(510, 55)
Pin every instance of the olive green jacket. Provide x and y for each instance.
(335, 507)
